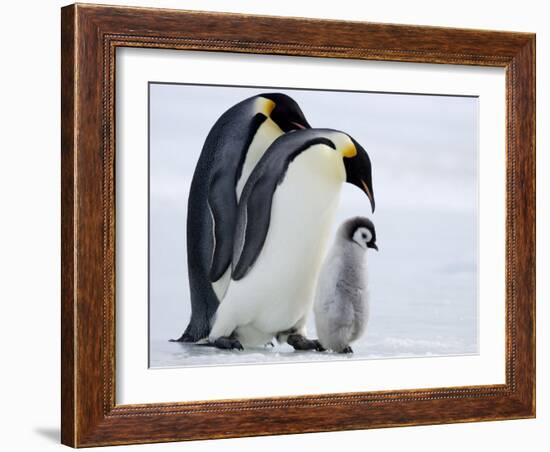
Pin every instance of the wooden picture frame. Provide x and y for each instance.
(90, 35)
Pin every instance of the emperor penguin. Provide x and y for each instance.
(285, 215)
(234, 145)
(341, 299)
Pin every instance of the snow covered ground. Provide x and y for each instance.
(372, 346)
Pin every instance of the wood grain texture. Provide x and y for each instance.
(68, 311)
(90, 36)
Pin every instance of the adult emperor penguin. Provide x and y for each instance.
(285, 216)
(232, 148)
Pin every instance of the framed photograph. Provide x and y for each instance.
(281, 225)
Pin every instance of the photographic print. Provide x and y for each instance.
(299, 225)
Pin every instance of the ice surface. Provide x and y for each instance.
(177, 354)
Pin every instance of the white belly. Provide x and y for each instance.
(266, 134)
(278, 290)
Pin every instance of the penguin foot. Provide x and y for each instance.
(346, 350)
(228, 343)
(320, 347)
(300, 342)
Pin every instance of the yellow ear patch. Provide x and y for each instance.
(349, 150)
(267, 106)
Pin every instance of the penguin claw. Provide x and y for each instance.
(346, 350)
(228, 343)
(300, 342)
(319, 347)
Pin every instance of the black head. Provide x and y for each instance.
(359, 171)
(286, 113)
(361, 231)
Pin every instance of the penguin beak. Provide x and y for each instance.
(289, 121)
(300, 126)
(373, 245)
(359, 172)
(298, 122)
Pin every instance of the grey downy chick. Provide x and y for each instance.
(341, 299)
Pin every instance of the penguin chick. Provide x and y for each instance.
(341, 299)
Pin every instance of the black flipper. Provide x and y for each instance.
(254, 212)
(222, 198)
